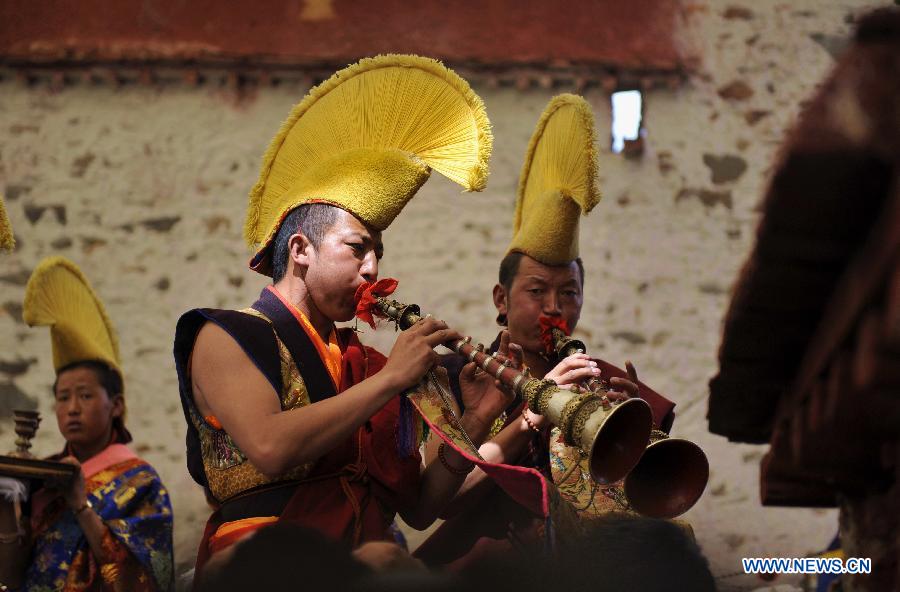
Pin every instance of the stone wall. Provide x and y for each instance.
(145, 189)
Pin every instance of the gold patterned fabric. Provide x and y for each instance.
(228, 471)
(572, 477)
(525, 486)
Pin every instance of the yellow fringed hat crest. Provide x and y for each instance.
(366, 140)
(7, 239)
(558, 182)
(59, 296)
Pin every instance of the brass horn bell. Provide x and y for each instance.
(612, 435)
(669, 478)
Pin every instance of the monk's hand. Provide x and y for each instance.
(574, 369)
(510, 355)
(510, 352)
(74, 493)
(413, 353)
(485, 397)
(624, 388)
(482, 395)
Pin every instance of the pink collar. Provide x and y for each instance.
(109, 456)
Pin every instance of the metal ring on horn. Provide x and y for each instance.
(458, 345)
(517, 381)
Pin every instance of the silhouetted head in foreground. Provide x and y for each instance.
(284, 557)
(623, 552)
(617, 553)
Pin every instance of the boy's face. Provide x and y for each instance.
(84, 410)
(538, 289)
(347, 257)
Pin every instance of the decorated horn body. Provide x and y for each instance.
(671, 474)
(612, 435)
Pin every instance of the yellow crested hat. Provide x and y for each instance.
(59, 296)
(7, 239)
(558, 182)
(366, 140)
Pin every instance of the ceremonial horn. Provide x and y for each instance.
(612, 435)
(672, 473)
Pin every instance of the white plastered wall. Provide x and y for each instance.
(145, 189)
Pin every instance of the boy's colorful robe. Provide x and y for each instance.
(134, 505)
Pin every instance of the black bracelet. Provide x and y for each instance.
(454, 470)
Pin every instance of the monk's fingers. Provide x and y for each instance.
(468, 372)
(580, 364)
(616, 396)
(428, 325)
(576, 361)
(632, 372)
(503, 350)
(625, 385)
(439, 336)
(575, 376)
(516, 355)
